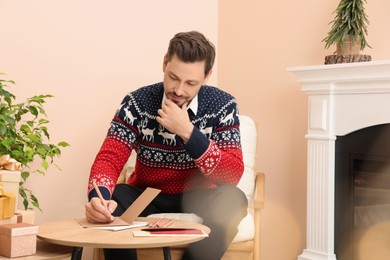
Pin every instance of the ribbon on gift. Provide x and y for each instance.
(9, 163)
(7, 204)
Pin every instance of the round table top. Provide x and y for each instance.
(71, 233)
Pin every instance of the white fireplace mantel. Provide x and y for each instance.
(342, 98)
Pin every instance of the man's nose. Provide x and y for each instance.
(179, 89)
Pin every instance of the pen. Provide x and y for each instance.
(99, 194)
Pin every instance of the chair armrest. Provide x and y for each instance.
(258, 204)
(258, 201)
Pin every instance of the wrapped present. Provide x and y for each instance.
(8, 163)
(18, 239)
(7, 204)
(10, 175)
(25, 216)
(11, 220)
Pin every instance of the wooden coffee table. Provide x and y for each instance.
(70, 233)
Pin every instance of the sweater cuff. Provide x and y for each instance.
(103, 190)
(197, 144)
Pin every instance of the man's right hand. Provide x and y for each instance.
(96, 212)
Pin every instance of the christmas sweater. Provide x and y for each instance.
(211, 157)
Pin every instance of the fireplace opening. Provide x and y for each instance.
(362, 194)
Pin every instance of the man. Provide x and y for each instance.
(186, 136)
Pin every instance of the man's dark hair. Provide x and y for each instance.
(192, 47)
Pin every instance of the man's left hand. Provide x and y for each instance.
(175, 119)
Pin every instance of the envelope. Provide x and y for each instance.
(128, 217)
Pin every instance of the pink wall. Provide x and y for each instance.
(258, 41)
(88, 54)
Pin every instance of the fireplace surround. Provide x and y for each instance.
(342, 98)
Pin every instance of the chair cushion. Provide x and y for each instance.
(248, 145)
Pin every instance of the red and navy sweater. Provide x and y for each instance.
(211, 157)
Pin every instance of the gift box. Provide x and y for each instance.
(25, 216)
(7, 204)
(9, 180)
(10, 220)
(18, 239)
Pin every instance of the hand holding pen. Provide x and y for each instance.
(99, 210)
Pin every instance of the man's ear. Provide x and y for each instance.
(207, 77)
(165, 61)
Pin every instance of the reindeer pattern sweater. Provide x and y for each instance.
(211, 157)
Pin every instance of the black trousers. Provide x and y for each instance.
(221, 209)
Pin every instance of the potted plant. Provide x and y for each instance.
(349, 31)
(24, 137)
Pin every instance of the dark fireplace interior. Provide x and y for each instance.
(362, 194)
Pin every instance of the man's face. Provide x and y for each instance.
(182, 81)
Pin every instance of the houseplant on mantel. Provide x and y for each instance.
(348, 32)
(25, 139)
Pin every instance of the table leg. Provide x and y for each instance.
(167, 253)
(77, 253)
(133, 254)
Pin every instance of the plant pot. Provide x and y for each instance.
(349, 46)
(348, 51)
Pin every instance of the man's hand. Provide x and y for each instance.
(175, 119)
(96, 212)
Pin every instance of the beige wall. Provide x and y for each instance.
(90, 53)
(258, 40)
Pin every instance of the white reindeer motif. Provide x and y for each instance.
(129, 115)
(227, 119)
(168, 137)
(205, 130)
(147, 132)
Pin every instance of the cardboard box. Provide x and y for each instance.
(18, 239)
(9, 180)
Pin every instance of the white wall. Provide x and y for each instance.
(88, 54)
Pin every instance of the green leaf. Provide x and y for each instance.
(45, 164)
(33, 110)
(25, 175)
(3, 130)
(7, 142)
(34, 138)
(25, 129)
(41, 172)
(29, 152)
(41, 151)
(43, 121)
(10, 120)
(63, 144)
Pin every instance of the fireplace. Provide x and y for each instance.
(362, 193)
(342, 99)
